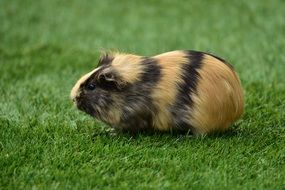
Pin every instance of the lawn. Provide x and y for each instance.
(46, 45)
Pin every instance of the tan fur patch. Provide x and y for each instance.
(219, 99)
(113, 115)
(128, 66)
(165, 92)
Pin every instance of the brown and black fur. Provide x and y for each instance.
(178, 90)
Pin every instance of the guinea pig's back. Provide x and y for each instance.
(218, 100)
(198, 91)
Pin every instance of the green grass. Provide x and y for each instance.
(46, 45)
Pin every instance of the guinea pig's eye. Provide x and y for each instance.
(90, 86)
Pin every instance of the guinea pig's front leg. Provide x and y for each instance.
(134, 123)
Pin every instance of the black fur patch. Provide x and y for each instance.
(152, 71)
(94, 103)
(139, 109)
(99, 80)
(190, 77)
(105, 59)
(92, 78)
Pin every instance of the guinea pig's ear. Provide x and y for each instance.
(111, 80)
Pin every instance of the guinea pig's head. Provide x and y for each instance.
(100, 93)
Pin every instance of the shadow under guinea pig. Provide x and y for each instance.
(111, 133)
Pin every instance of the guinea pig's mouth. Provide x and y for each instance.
(84, 106)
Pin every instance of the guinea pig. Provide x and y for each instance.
(178, 90)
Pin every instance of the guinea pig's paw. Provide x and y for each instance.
(112, 131)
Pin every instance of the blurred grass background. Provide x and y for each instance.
(45, 143)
